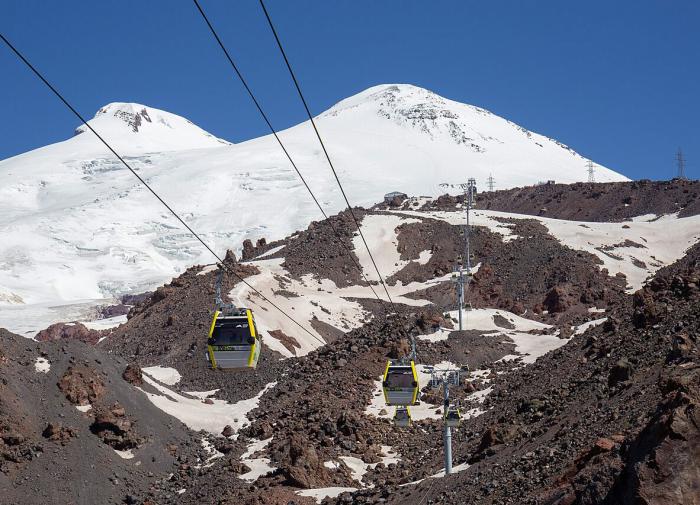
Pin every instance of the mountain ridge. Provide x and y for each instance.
(109, 236)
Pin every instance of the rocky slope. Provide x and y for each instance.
(611, 417)
(614, 201)
(575, 389)
(70, 425)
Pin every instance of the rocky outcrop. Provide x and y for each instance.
(555, 300)
(133, 375)
(115, 429)
(74, 331)
(56, 432)
(82, 385)
(301, 463)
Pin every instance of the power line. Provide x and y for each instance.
(80, 117)
(279, 141)
(323, 146)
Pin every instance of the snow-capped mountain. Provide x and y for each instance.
(141, 129)
(76, 226)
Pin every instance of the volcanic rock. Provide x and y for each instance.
(81, 385)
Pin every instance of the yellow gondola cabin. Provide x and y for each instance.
(233, 340)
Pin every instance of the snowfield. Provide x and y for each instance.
(76, 227)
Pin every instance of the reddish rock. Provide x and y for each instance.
(81, 385)
(302, 465)
(620, 372)
(555, 301)
(647, 311)
(132, 374)
(230, 258)
(248, 250)
(69, 331)
(605, 444)
(399, 349)
(114, 428)
(57, 433)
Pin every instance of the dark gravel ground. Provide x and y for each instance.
(49, 452)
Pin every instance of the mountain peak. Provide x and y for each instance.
(385, 94)
(133, 114)
(148, 128)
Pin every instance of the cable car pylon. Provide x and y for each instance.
(451, 415)
(463, 271)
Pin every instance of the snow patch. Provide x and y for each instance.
(320, 494)
(208, 269)
(424, 257)
(316, 299)
(580, 329)
(483, 320)
(166, 375)
(106, 323)
(42, 365)
(213, 454)
(358, 468)
(198, 415)
(258, 466)
(379, 231)
(480, 396)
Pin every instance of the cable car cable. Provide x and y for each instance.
(80, 117)
(279, 141)
(323, 146)
(428, 491)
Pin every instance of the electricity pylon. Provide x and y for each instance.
(680, 162)
(591, 172)
(491, 182)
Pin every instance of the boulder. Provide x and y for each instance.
(620, 372)
(69, 331)
(81, 385)
(132, 374)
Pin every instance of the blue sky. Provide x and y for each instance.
(616, 80)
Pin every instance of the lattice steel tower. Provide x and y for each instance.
(680, 162)
(491, 182)
(591, 171)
